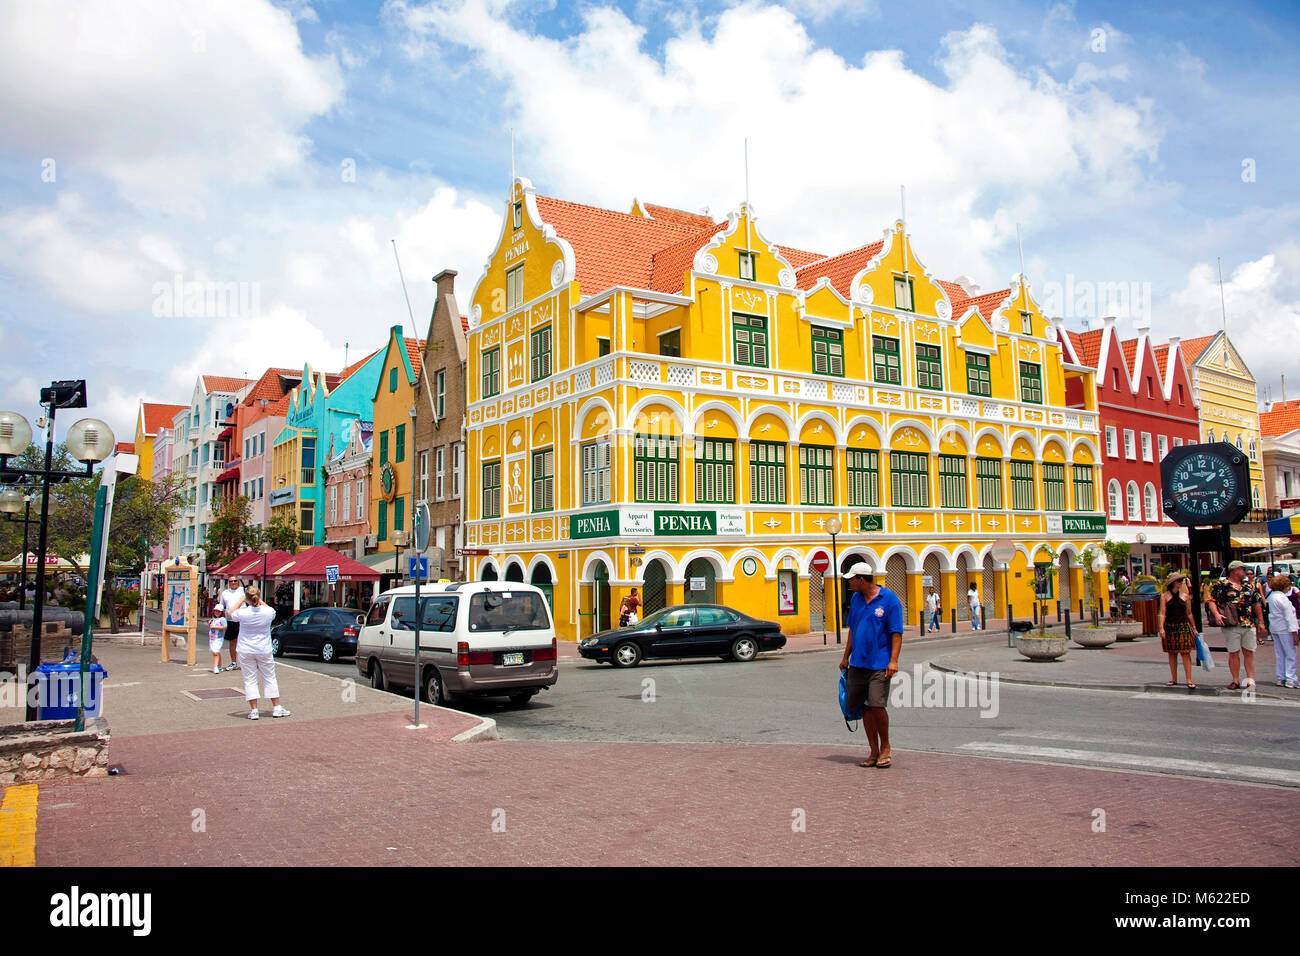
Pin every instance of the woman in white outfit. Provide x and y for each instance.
(1285, 630)
(255, 619)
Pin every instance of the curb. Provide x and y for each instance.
(1124, 688)
(486, 729)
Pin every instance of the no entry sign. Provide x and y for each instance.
(820, 562)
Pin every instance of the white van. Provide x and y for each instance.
(487, 638)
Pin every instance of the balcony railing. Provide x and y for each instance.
(307, 539)
(1261, 515)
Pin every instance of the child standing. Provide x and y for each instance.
(217, 636)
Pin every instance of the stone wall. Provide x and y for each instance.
(47, 749)
(16, 644)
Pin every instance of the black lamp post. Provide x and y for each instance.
(88, 441)
(9, 502)
(834, 526)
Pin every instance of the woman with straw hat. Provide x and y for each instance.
(1177, 628)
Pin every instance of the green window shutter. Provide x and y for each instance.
(909, 480)
(392, 379)
(978, 381)
(399, 514)
(544, 480)
(491, 372)
(952, 481)
(816, 475)
(1031, 382)
(656, 463)
(715, 471)
(383, 520)
(1053, 487)
(827, 351)
(988, 483)
(1022, 485)
(1083, 489)
(864, 477)
(540, 354)
(749, 339)
(886, 369)
(929, 367)
(383, 447)
(401, 444)
(767, 481)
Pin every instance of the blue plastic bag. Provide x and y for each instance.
(844, 702)
(1203, 656)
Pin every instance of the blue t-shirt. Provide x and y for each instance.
(872, 625)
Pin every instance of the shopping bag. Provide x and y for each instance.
(1203, 654)
(844, 702)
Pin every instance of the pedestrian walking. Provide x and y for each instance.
(973, 599)
(255, 650)
(1285, 630)
(234, 592)
(1238, 612)
(1177, 627)
(628, 608)
(217, 636)
(871, 651)
(932, 606)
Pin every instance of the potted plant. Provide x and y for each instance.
(1093, 633)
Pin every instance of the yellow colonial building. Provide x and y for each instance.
(1227, 400)
(661, 401)
(393, 490)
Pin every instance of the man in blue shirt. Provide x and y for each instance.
(871, 656)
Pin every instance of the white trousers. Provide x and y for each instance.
(1284, 652)
(254, 665)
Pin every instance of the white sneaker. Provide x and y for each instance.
(216, 670)
(281, 712)
(253, 715)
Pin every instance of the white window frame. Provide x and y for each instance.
(424, 476)
(514, 288)
(1149, 502)
(1162, 445)
(347, 500)
(1130, 444)
(596, 467)
(334, 504)
(1178, 441)
(361, 497)
(457, 460)
(1114, 500)
(1146, 446)
(1112, 442)
(1133, 501)
(903, 294)
(440, 472)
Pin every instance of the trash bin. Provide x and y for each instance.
(57, 688)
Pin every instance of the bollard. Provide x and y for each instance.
(1035, 612)
(1081, 610)
(954, 620)
(1058, 612)
(1010, 643)
(1067, 622)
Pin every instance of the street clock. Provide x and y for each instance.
(1205, 484)
(388, 482)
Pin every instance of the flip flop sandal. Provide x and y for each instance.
(884, 764)
(1233, 686)
(868, 763)
(1172, 683)
(1191, 687)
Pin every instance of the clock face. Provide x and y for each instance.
(388, 481)
(1204, 485)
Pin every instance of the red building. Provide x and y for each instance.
(1144, 400)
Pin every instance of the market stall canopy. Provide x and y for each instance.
(250, 563)
(53, 562)
(310, 565)
(382, 561)
(1285, 526)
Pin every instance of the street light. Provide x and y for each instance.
(1099, 566)
(834, 527)
(11, 502)
(399, 542)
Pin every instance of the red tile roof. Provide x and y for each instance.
(1129, 347)
(1283, 418)
(988, 302)
(159, 416)
(271, 385)
(1087, 345)
(125, 448)
(279, 409)
(611, 248)
(415, 352)
(956, 295)
(222, 383)
(839, 269)
(669, 266)
(678, 217)
(799, 257)
(1192, 348)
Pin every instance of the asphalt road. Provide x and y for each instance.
(791, 699)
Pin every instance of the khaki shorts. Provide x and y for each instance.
(1238, 638)
(867, 688)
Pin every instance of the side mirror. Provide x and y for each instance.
(360, 620)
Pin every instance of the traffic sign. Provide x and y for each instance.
(332, 574)
(423, 520)
(418, 569)
(821, 562)
(1003, 550)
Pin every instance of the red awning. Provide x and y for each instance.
(227, 432)
(309, 565)
(249, 564)
(230, 474)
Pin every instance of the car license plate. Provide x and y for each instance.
(515, 657)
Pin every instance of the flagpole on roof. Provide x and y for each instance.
(1021, 249)
(748, 212)
(902, 192)
(1222, 304)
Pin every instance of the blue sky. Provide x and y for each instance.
(279, 147)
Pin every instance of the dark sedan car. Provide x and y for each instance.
(325, 632)
(686, 630)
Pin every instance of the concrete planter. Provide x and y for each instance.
(1093, 636)
(1042, 648)
(1129, 630)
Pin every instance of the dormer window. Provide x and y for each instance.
(747, 266)
(1026, 323)
(903, 294)
(519, 215)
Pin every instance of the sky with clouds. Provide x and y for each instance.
(268, 152)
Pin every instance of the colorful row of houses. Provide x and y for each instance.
(653, 399)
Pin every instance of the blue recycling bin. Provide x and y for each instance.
(57, 688)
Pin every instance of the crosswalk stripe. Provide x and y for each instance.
(1200, 768)
(1227, 749)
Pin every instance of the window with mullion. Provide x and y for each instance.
(978, 381)
(952, 481)
(544, 480)
(490, 501)
(1031, 382)
(929, 367)
(540, 352)
(491, 372)
(909, 479)
(816, 475)
(715, 470)
(749, 339)
(864, 477)
(988, 483)
(1022, 485)
(1053, 487)
(597, 472)
(827, 351)
(656, 460)
(1083, 488)
(767, 473)
(886, 369)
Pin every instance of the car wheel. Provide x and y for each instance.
(327, 652)
(744, 649)
(522, 698)
(277, 649)
(626, 654)
(377, 676)
(434, 691)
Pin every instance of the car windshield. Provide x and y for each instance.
(508, 611)
(668, 617)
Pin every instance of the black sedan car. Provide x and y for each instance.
(325, 632)
(686, 630)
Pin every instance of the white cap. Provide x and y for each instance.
(861, 569)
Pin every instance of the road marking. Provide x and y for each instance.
(1229, 750)
(1214, 699)
(18, 826)
(1199, 768)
